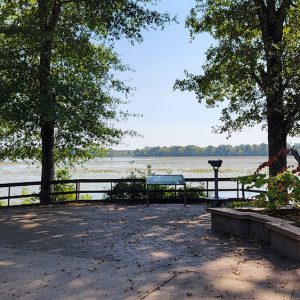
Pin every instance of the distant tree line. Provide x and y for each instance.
(192, 150)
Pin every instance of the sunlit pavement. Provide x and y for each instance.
(134, 252)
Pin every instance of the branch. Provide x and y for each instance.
(260, 7)
(70, 1)
(282, 11)
(257, 79)
(296, 155)
(55, 12)
(261, 11)
(260, 3)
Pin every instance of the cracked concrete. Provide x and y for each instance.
(134, 252)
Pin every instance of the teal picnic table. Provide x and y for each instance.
(165, 180)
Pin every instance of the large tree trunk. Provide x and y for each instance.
(272, 20)
(277, 141)
(276, 119)
(47, 124)
(49, 16)
(47, 134)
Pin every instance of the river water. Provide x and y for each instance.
(122, 166)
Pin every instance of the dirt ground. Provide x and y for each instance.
(134, 252)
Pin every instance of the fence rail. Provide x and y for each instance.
(240, 190)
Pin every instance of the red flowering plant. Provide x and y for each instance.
(282, 189)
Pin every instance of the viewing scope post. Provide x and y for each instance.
(216, 164)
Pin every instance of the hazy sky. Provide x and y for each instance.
(172, 117)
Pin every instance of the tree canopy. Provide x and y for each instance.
(253, 67)
(82, 96)
(59, 95)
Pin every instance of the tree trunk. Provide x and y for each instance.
(277, 141)
(272, 18)
(47, 134)
(49, 16)
(296, 155)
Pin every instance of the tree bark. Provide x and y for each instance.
(47, 134)
(277, 141)
(296, 155)
(272, 26)
(276, 118)
(47, 127)
(48, 16)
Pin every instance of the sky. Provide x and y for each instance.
(172, 117)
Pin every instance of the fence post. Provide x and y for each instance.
(111, 188)
(238, 189)
(8, 198)
(207, 188)
(243, 191)
(147, 188)
(77, 190)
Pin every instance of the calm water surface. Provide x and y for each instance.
(121, 167)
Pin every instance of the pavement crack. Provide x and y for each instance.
(292, 294)
(158, 287)
(148, 293)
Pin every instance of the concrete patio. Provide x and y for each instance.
(134, 252)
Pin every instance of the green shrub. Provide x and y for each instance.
(86, 197)
(28, 200)
(64, 174)
(194, 194)
(131, 191)
(134, 191)
(258, 202)
(282, 189)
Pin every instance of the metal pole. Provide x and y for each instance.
(185, 195)
(216, 183)
(206, 188)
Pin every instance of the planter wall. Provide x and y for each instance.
(280, 234)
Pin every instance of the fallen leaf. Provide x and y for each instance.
(93, 269)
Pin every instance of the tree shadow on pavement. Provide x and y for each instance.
(134, 252)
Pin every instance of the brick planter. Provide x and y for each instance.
(280, 234)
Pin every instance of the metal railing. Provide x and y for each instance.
(207, 188)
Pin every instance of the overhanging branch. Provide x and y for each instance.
(296, 155)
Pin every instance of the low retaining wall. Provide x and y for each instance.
(280, 234)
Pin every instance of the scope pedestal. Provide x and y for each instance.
(216, 164)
